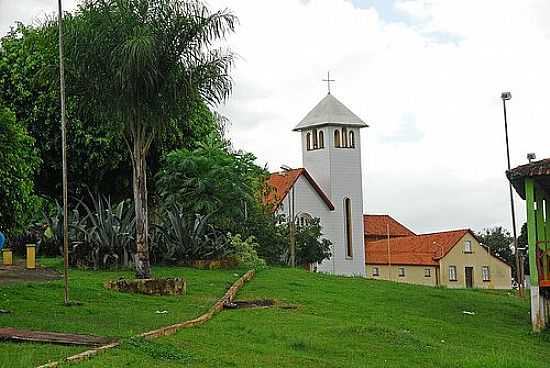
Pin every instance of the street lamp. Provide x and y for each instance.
(506, 96)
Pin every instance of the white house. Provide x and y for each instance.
(329, 186)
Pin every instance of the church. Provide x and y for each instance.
(329, 186)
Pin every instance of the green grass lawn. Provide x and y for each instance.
(39, 306)
(350, 323)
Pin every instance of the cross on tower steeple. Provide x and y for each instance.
(328, 80)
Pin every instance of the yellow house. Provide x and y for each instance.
(455, 259)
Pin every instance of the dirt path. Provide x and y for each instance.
(18, 273)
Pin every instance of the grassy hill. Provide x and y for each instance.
(345, 322)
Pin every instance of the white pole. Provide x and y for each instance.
(64, 155)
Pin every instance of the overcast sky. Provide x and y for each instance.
(426, 75)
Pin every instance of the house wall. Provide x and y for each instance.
(338, 173)
(500, 272)
(413, 274)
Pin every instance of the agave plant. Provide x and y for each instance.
(52, 237)
(107, 232)
(184, 238)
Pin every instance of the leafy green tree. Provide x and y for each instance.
(142, 64)
(499, 241)
(212, 179)
(18, 162)
(98, 158)
(29, 87)
(310, 246)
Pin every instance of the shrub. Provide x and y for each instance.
(310, 247)
(245, 251)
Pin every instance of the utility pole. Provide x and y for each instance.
(64, 156)
(506, 96)
(389, 252)
(292, 229)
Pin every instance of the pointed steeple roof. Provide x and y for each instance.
(330, 111)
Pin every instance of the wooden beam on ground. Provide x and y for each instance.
(13, 334)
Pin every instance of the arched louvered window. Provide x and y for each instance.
(344, 137)
(337, 142)
(308, 141)
(348, 228)
(351, 139)
(321, 139)
(315, 140)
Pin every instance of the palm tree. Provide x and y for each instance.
(142, 64)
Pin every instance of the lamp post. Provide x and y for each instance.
(506, 96)
(64, 156)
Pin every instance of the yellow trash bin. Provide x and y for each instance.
(31, 256)
(7, 257)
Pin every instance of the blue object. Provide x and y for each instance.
(2, 240)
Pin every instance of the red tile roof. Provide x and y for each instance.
(424, 249)
(377, 225)
(280, 183)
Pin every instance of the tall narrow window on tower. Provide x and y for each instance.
(344, 137)
(337, 138)
(308, 141)
(321, 139)
(348, 229)
(351, 139)
(315, 140)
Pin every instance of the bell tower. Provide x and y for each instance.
(331, 153)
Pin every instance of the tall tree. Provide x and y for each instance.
(141, 64)
(29, 86)
(499, 240)
(18, 162)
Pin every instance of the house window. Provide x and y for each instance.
(321, 139)
(337, 142)
(427, 272)
(401, 271)
(348, 229)
(375, 271)
(344, 137)
(351, 139)
(485, 273)
(452, 273)
(308, 141)
(468, 246)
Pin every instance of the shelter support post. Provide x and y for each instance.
(537, 234)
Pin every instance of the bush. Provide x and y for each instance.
(18, 163)
(310, 247)
(211, 180)
(245, 251)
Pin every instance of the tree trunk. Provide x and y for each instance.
(143, 267)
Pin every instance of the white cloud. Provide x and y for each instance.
(434, 155)
(446, 169)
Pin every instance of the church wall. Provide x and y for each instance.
(346, 182)
(307, 200)
(317, 162)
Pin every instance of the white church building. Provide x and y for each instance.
(329, 186)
